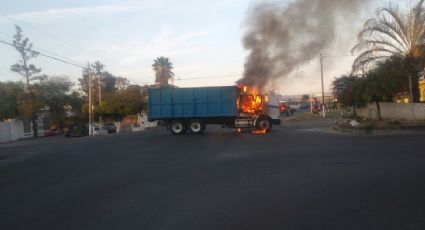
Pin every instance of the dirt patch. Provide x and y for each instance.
(335, 124)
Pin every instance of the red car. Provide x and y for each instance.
(51, 132)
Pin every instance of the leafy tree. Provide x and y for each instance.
(348, 91)
(394, 33)
(163, 71)
(75, 102)
(27, 70)
(9, 107)
(383, 82)
(378, 88)
(54, 95)
(108, 80)
(119, 104)
(24, 48)
(29, 103)
(136, 97)
(75, 110)
(121, 83)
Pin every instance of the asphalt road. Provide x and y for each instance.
(288, 179)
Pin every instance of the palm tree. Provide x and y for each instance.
(392, 33)
(162, 67)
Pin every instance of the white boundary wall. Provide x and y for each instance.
(11, 130)
(391, 110)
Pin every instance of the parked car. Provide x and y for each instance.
(77, 131)
(51, 132)
(110, 127)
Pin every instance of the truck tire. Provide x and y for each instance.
(196, 126)
(178, 127)
(264, 123)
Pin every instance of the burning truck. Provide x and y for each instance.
(191, 109)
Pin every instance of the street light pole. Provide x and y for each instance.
(323, 86)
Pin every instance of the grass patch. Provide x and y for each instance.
(303, 117)
(310, 116)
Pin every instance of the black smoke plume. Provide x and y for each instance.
(281, 37)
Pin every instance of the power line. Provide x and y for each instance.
(46, 51)
(5, 35)
(48, 56)
(45, 33)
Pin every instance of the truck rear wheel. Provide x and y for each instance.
(264, 123)
(196, 126)
(178, 127)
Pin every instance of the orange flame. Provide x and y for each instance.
(260, 131)
(251, 102)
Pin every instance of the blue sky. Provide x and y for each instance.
(202, 39)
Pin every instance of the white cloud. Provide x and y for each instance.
(55, 14)
(166, 43)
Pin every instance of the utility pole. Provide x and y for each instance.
(100, 100)
(90, 102)
(323, 86)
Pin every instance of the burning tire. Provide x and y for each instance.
(264, 123)
(178, 127)
(196, 126)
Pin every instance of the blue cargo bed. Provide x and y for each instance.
(204, 102)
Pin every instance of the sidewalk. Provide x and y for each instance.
(333, 123)
(382, 127)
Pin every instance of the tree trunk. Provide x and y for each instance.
(415, 89)
(354, 111)
(34, 125)
(61, 125)
(414, 77)
(378, 107)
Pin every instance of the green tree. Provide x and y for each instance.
(383, 82)
(394, 33)
(126, 102)
(121, 83)
(9, 92)
(163, 71)
(28, 71)
(26, 53)
(54, 94)
(75, 102)
(348, 90)
(378, 88)
(108, 81)
(29, 103)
